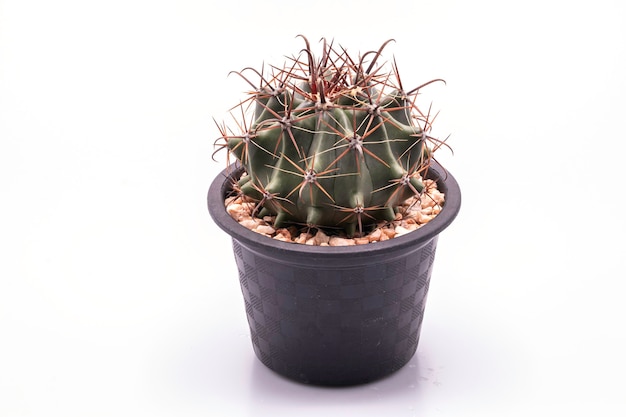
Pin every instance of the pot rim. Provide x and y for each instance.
(446, 183)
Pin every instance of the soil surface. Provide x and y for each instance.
(413, 214)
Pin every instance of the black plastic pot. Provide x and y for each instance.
(334, 315)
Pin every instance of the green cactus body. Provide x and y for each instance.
(334, 152)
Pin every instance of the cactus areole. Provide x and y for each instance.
(332, 142)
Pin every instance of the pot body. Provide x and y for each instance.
(334, 315)
(330, 325)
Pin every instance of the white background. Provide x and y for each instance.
(119, 296)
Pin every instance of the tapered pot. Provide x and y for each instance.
(334, 315)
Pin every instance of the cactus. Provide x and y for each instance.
(334, 143)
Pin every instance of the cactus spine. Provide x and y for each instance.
(334, 143)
